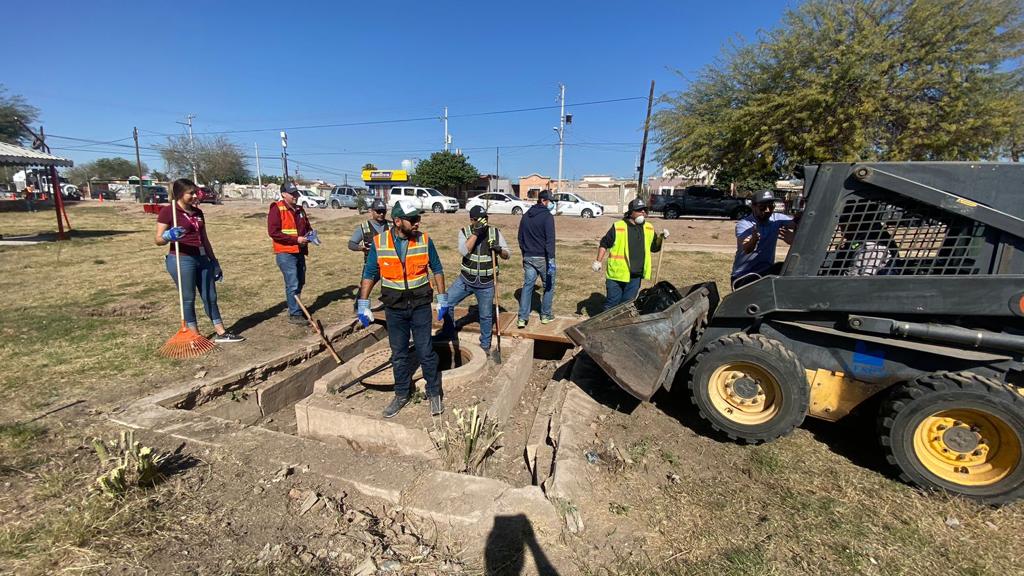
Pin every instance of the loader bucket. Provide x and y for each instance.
(641, 344)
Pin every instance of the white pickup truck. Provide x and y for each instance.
(426, 199)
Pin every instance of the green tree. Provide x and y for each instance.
(268, 179)
(159, 176)
(104, 169)
(854, 80)
(215, 158)
(445, 171)
(369, 166)
(11, 107)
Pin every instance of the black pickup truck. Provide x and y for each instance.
(699, 201)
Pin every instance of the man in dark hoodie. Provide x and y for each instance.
(537, 242)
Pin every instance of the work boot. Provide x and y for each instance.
(436, 405)
(493, 355)
(520, 323)
(297, 320)
(396, 405)
(546, 319)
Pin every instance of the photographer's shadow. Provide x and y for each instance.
(505, 554)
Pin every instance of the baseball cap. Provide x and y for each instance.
(290, 188)
(477, 212)
(404, 209)
(762, 197)
(544, 195)
(378, 205)
(637, 204)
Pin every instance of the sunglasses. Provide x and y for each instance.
(380, 211)
(412, 219)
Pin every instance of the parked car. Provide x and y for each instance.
(426, 199)
(151, 194)
(700, 201)
(498, 203)
(209, 195)
(574, 205)
(309, 200)
(70, 192)
(348, 197)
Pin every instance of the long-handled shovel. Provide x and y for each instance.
(497, 308)
(661, 254)
(319, 329)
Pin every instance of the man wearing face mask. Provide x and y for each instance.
(628, 245)
(756, 238)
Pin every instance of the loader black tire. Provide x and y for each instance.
(958, 432)
(749, 387)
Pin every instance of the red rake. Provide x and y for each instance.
(185, 343)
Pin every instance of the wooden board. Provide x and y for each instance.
(553, 331)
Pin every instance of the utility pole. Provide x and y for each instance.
(138, 159)
(561, 131)
(259, 172)
(643, 147)
(447, 136)
(284, 153)
(497, 164)
(191, 146)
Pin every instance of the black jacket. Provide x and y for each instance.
(537, 233)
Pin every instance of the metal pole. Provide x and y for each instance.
(58, 199)
(643, 147)
(192, 149)
(259, 172)
(138, 159)
(447, 140)
(284, 153)
(561, 132)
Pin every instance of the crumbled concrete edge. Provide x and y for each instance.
(510, 381)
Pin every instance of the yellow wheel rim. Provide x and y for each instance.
(745, 393)
(967, 447)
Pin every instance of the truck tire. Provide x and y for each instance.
(335, 204)
(749, 387)
(671, 213)
(437, 208)
(958, 432)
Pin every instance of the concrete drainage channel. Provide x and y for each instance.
(281, 410)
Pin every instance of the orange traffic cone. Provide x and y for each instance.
(101, 197)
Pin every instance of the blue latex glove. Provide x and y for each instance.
(313, 237)
(551, 266)
(364, 313)
(442, 306)
(218, 274)
(173, 234)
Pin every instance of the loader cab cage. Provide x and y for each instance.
(886, 235)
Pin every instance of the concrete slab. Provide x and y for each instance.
(319, 417)
(512, 377)
(553, 331)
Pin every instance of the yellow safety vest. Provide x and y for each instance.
(618, 257)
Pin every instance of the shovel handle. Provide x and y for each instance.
(316, 328)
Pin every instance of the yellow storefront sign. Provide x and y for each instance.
(385, 175)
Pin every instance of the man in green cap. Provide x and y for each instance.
(402, 259)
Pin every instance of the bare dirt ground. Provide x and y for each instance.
(82, 321)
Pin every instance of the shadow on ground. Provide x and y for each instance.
(507, 543)
(592, 305)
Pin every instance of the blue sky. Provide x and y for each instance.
(272, 65)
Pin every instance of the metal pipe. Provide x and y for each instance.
(973, 338)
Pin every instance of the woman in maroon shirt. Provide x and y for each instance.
(199, 266)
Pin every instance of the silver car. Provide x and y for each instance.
(348, 197)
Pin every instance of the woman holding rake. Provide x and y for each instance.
(192, 261)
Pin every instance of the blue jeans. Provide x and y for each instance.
(417, 321)
(619, 292)
(534, 267)
(196, 272)
(293, 267)
(458, 292)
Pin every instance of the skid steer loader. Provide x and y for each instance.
(905, 281)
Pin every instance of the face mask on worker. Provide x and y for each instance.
(639, 219)
(551, 207)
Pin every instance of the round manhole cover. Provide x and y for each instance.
(385, 377)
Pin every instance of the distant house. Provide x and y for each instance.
(530, 186)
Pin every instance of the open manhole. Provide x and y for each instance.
(451, 355)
